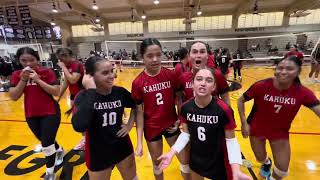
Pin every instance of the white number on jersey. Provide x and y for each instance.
(159, 99)
(223, 60)
(31, 82)
(277, 108)
(201, 135)
(109, 120)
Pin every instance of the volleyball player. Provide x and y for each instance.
(208, 124)
(182, 66)
(295, 52)
(98, 113)
(73, 72)
(198, 55)
(237, 64)
(223, 61)
(315, 65)
(154, 92)
(39, 85)
(276, 103)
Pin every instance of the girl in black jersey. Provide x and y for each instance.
(208, 123)
(98, 113)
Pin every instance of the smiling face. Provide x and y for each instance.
(198, 55)
(104, 75)
(286, 71)
(203, 83)
(152, 59)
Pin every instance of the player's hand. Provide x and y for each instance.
(125, 129)
(240, 176)
(61, 65)
(245, 130)
(174, 127)
(165, 159)
(139, 150)
(34, 76)
(25, 73)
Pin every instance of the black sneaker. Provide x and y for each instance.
(265, 170)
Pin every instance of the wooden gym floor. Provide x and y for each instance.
(17, 160)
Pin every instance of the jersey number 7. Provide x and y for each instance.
(277, 108)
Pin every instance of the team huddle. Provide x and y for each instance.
(200, 132)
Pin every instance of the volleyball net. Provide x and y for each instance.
(255, 50)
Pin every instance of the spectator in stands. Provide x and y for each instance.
(288, 45)
(258, 47)
(311, 44)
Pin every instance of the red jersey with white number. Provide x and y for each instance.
(185, 83)
(75, 67)
(274, 110)
(157, 93)
(37, 102)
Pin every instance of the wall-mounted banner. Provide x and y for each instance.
(8, 32)
(1, 16)
(19, 32)
(29, 31)
(12, 16)
(25, 15)
(135, 35)
(38, 32)
(185, 32)
(47, 32)
(249, 29)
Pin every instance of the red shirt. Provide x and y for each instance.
(75, 67)
(274, 110)
(185, 84)
(180, 68)
(211, 61)
(37, 102)
(299, 55)
(158, 95)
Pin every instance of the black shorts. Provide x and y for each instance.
(166, 134)
(220, 176)
(100, 157)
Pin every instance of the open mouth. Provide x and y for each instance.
(198, 62)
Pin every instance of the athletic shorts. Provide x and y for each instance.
(166, 134)
(225, 174)
(100, 157)
(269, 134)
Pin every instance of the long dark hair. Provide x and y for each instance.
(297, 62)
(148, 42)
(66, 52)
(27, 50)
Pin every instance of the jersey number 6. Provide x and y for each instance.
(159, 99)
(201, 135)
(111, 120)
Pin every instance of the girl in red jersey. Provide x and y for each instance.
(276, 103)
(294, 52)
(73, 73)
(208, 123)
(98, 112)
(39, 85)
(199, 55)
(182, 66)
(154, 92)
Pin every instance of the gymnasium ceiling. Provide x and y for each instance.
(81, 12)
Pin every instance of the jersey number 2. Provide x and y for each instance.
(159, 99)
(201, 133)
(109, 120)
(277, 108)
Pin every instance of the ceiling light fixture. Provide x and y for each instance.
(52, 22)
(94, 5)
(199, 12)
(143, 16)
(54, 9)
(97, 20)
(156, 2)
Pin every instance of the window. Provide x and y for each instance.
(166, 25)
(260, 20)
(212, 22)
(312, 18)
(85, 30)
(125, 28)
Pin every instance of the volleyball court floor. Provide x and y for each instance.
(17, 160)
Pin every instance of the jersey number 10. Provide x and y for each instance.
(109, 120)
